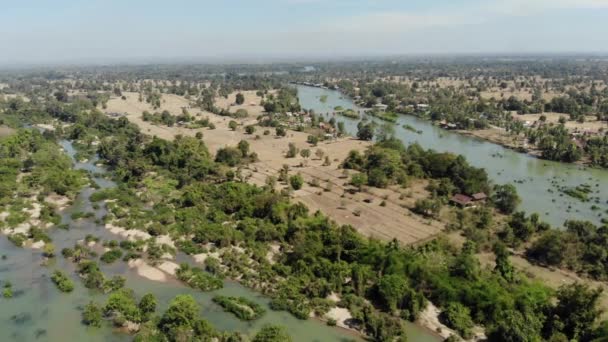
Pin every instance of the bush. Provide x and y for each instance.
(241, 307)
(61, 280)
(111, 256)
(296, 182)
(92, 315)
(458, 317)
(198, 279)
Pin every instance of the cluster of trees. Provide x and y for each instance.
(285, 100)
(49, 169)
(581, 247)
(166, 118)
(389, 162)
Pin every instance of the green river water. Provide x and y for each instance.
(536, 179)
(40, 312)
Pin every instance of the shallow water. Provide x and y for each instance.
(532, 176)
(40, 312)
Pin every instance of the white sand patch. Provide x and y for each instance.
(340, 315)
(200, 258)
(275, 249)
(169, 267)
(34, 212)
(38, 245)
(23, 228)
(165, 239)
(147, 271)
(46, 126)
(131, 234)
(167, 256)
(429, 318)
(334, 297)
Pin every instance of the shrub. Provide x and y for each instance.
(61, 280)
(241, 307)
(296, 182)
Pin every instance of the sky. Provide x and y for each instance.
(110, 31)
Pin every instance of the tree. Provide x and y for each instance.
(503, 266)
(305, 153)
(92, 315)
(296, 181)
(233, 125)
(182, 313)
(458, 317)
(240, 99)
(513, 326)
(358, 180)
(229, 155)
(281, 132)
(250, 129)
(505, 198)
(576, 311)
(147, 305)
(292, 150)
(272, 333)
(243, 146)
(366, 131)
(391, 289)
(199, 135)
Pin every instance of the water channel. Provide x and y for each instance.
(536, 179)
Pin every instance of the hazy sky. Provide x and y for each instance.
(41, 31)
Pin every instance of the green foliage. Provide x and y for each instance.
(61, 280)
(122, 305)
(240, 99)
(92, 315)
(241, 307)
(505, 198)
(198, 279)
(390, 162)
(458, 317)
(111, 256)
(272, 333)
(296, 182)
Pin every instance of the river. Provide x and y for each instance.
(40, 312)
(536, 180)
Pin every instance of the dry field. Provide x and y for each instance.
(591, 123)
(361, 210)
(6, 131)
(251, 104)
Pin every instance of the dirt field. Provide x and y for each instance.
(5, 131)
(251, 105)
(361, 210)
(498, 136)
(591, 123)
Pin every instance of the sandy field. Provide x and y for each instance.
(499, 136)
(591, 123)
(5, 131)
(361, 210)
(251, 104)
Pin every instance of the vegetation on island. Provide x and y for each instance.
(241, 307)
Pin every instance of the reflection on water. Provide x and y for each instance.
(531, 176)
